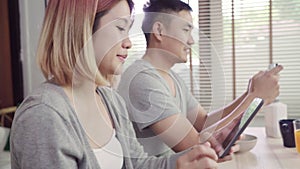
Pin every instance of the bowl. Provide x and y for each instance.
(247, 142)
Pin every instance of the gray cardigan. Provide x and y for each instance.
(46, 133)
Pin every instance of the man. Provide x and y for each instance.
(166, 116)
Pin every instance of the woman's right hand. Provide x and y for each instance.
(201, 156)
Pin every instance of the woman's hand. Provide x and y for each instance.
(201, 156)
(216, 138)
(265, 85)
(229, 157)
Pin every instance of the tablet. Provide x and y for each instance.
(249, 114)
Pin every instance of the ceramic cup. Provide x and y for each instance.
(287, 132)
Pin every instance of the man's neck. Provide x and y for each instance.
(159, 59)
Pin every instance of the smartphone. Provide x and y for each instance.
(248, 115)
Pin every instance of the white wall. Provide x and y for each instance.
(31, 17)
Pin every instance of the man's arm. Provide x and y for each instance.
(177, 132)
(263, 85)
(204, 119)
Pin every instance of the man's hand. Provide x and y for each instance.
(265, 85)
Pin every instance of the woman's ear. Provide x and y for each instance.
(157, 30)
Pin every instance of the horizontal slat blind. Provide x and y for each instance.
(247, 35)
(234, 40)
(286, 50)
(251, 25)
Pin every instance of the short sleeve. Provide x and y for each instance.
(150, 100)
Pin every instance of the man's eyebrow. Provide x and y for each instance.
(190, 25)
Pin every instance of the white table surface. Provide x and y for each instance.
(269, 153)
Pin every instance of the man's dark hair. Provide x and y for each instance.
(154, 11)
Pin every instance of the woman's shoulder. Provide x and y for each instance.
(48, 94)
(47, 98)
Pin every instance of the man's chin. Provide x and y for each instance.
(180, 60)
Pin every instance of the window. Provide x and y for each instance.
(243, 37)
(234, 40)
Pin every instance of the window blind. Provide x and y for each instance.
(234, 40)
(286, 50)
(237, 38)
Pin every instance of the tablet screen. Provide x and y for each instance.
(240, 127)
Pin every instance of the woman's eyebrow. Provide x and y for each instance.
(126, 20)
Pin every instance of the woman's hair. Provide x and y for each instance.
(103, 9)
(65, 50)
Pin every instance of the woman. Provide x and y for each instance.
(74, 119)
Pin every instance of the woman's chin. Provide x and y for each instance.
(118, 71)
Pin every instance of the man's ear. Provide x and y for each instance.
(157, 29)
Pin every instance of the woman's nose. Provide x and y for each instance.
(126, 43)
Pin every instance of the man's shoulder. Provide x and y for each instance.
(138, 66)
(138, 71)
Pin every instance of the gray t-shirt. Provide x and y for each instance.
(149, 100)
(46, 133)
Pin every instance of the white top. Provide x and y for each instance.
(110, 155)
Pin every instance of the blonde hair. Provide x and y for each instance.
(65, 50)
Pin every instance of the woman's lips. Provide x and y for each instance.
(122, 57)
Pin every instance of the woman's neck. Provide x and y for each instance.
(92, 113)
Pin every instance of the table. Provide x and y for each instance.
(269, 153)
